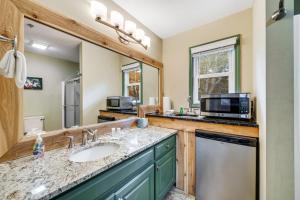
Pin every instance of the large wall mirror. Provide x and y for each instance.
(69, 79)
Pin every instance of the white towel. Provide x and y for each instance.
(166, 104)
(10, 67)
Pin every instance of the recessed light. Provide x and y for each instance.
(39, 46)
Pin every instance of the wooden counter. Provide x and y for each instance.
(117, 115)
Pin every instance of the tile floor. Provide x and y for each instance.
(176, 194)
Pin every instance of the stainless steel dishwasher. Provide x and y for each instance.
(226, 167)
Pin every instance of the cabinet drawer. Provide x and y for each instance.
(164, 147)
(104, 184)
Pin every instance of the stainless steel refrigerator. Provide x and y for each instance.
(226, 167)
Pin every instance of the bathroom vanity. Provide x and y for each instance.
(142, 167)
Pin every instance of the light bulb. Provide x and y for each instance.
(146, 41)
(39, 46)
(130, 27)
(116, 19)
(99, 10)
(139, 34)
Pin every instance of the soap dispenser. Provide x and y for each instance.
(39, 147)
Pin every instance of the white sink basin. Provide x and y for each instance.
(95, 153)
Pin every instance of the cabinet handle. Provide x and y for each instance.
(157, 167)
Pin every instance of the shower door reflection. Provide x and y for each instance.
(71, 107)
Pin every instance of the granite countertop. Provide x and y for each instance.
(235, 122)
(44, 178)
(128, 112)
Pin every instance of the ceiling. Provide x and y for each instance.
(61, 45)
(169, 17)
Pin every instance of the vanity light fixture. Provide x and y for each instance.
(127, 32)
(39, 46)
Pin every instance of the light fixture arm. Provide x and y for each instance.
(123, 36)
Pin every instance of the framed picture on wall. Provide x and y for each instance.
(33, 83)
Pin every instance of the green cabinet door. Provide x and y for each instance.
(139, 188)
(107, 183)
(165, 174)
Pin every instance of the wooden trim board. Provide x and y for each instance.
(191, 126)
(161, 88)
(118, 116)
(57, 139)
(37, 12)
(11, 109)
(146, 109)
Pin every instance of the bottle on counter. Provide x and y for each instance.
(39, 147)
(181, 110)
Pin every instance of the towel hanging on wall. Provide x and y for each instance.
(13, 65)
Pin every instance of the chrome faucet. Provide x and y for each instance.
(86, 133)
(190, 110)
(190, 101)
(71, 142)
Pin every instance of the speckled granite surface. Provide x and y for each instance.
(235, 122)
(176, 194)
(53, 174)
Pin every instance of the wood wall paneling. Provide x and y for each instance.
(180, 149)
(11, 113)
(191, 163)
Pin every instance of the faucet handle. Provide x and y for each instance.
(84, 136)
(95, 136)
(71, 141)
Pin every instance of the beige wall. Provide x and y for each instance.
(80, 11)
(297, 103)
(280, 104)
(150, 83)
(101, 77)
(53, 71)
(126, 60)
(259, 83)
(176, 53)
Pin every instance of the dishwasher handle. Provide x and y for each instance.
(222, 137)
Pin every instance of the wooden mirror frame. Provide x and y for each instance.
(11, 98)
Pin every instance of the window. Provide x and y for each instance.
(132, 81)
(214, 68)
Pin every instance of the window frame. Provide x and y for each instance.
(141, 80)
(237, 54)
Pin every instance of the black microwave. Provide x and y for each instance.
(231, 105)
